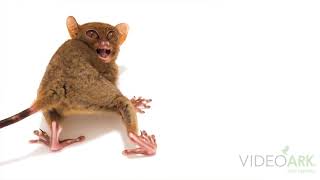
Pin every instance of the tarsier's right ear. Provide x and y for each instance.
(72, 26)
(123, 29)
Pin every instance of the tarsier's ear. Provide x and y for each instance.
(72, 26)
(123, 29)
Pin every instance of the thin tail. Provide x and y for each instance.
(18, 117)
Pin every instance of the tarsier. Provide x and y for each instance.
(81, 77)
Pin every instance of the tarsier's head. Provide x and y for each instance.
(103, 38)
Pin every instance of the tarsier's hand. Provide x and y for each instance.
(140, 104)
(147, 144)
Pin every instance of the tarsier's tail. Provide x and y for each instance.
(18, 117)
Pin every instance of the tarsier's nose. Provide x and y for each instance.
(104, 44)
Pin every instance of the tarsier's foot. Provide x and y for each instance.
(140, 103)
(46, 139)
(53, 142)
(147, 144)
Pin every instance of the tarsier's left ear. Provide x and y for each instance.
(123, 29)
(72, 26)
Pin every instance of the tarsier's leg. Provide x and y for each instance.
(140, 104)
(53, 142)
(146, 144)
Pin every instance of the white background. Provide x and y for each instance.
(226, 78)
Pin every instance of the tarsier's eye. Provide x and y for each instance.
(92, 34)
(112, 36)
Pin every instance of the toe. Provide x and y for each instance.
(34, 141)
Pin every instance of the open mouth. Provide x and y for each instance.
(104, 53)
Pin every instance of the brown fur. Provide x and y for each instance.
(77, 80)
